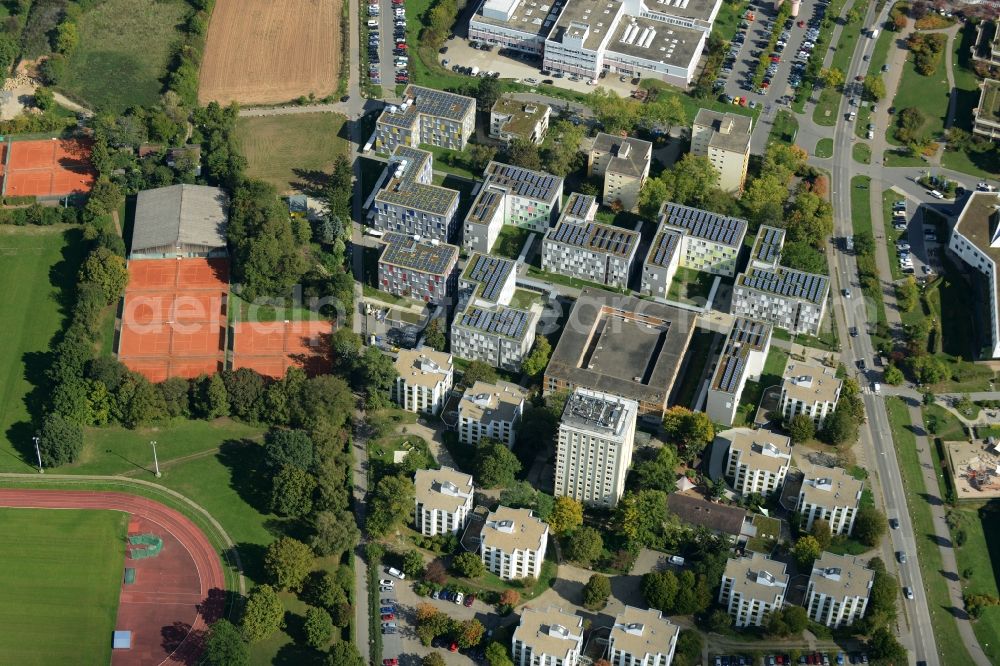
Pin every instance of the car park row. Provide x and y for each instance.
(400, 47)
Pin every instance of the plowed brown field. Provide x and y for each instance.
(265, 51)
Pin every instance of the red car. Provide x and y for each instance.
(775, 59)
(468, 600)
(388, 617)
(453, 647)
(390, 662)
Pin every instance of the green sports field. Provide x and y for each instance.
(60, 578)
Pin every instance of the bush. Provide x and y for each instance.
(596, 592)
(318, 628)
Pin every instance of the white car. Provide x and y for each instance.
(392, 571)
(459, 598)
(908, 592)
(387, 582)
(935, 194)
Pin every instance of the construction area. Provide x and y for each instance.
(49, 168)
(975, 468)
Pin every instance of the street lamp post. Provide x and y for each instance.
(156, 463)
(38, 453)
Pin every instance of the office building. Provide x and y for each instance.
(743, 356)
(425, 377)
(623, 163)
(661, 263)
(433, 117)
(829, 493)
(417, 269)
(791, 300)
(547, 637)
(490, 410)
(724, 138)
(710, 242)
(838, 589)
(811, 389)
(757, 460)
(443, 499)
(512, 119)
(409, 203)
(751, 588)
(642, 638)
(513, 543)
(975, 239)
(590, 251)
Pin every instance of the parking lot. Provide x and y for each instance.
(387, 45)
(820, 658)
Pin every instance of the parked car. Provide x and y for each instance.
(469, 599)
(388, 617)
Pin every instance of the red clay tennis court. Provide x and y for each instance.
(47, 168)
(270, 348)
(169, 274)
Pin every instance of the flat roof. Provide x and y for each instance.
(829, 486)
(580, 207)
(640, 37)
(694, 510)
(786, 282)
(444, 489)
(622, 345)
(730, 369)
(596, 237)
(750, 333)
(550, 631)
(759, 449)
(486, 403)
(630, 156)
(598, 412)
(403, 189)
(730, 131)
(499, 320)
(841, 576)
(704, 224)
(423, 367)
(589, 20)
(522, 116)
(698, 10)
(978, 223)
(403, 251)
(523, 182)
(757, 577)
(490, 272)
(768, 245)
(486, 203)
(514, 529)
(643, 632)
(811, 382)
(531, 17)
(439, 103)
(989, 101)
(663, 247)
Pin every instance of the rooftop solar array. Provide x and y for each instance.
(401, 250)
(663, 248)
(595, 236)
(536, 185)
(439, 103)
(579, 205)
(787, 282)
(407, 192)
(491, 272)
(509, 322)
(730, 370)
(768, 245)
(485, 206)
(705, 224)
(749, 332)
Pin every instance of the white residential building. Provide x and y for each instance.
(757, 460)
(425, 377)
(975, 239)
(642, 638)
(837, 594)
(590, 251)
(594, 448)
(513, 543)
(724, 138)
(661, 263)
(512, 119)
(751, 588)
(811, 389)
(623, 162)
(443, 499)
(710, 242)
(547, 637)
(743, 356)
(490, 410)
(789, 299)
(829, 493)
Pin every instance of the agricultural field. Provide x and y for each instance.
(123, 53)
(61, 580)
(265, 52)
(292, 152)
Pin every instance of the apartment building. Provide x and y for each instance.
(767, 246)
(975, 239)
(425, 377)
(590, 251)
(791, 300)
(490, 410)
(710, 242)
(743, 356)
(661, 263)
(594, 447)
(838, 590)
(417, 269)
(513, 543)
(511, 195)
(642, 638)
(487, 280)
(434, 117)
(623, 163)
(811, 389)
(986, 115)
(987, 46)
(756, 460)
(500, 336)
(409, 203)
(443, 500)
(724, 138)
(547, 637)
(829, 493)
(751, 588)
(511, 119)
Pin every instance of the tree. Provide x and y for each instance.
(538, 359)
(640, 516)
(481, 155)
(764, 199)
(893, 375)
(821, 532)
(523, 153)
(874, 87)
(263, 615)
(885, 649)
(496, 655)
(907, 295)
(470, 633)
(468, 565)
(840, 427)
(659, 472)
(584, 545)
(211, 399)
(718, 621)
(245, 389)
(44, 98)
(434, 658)
(343, 653)
(567, 515)
(495, 465)
(561, 147)
(691, 430)
(318, 627)
(832, 78)
(806, 550)
(652, 195)
(60, 440)
(284, 447)
(869, 526)
(107, 270)
(689, 647)
(433, 336)
(488, 93)
(392, 501)
(801, 428)
(796, 619)
(509, 598)
(225, 646)
(375, 375)
(334, 532)
(292, 491)
(287, 563)
(477, 371)
(659, 588)
(596, 592)
(693, 594)
(323, 399)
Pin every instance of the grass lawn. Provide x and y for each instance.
(241, 310)
(774, 369)
(785, 126)
(293, 152)
(824, 148)
(36, 265)
(510, 241)
(928, 93)
(566, 280)
(690, 286)
(943, 424)
(525, 298)
(61, 578)
(980, 555)
(124, 50)
(849, 35)
(451, 161)
(891, 158)
(728, 19)
(862, 121)
(945, 631)
(880, 54)
(825, 113)
(862, 152)
(981, 165)
(861, 220)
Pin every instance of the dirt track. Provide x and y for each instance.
(262, 51)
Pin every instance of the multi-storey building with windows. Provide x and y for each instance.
(757, 460)
(986, 115)
(425, 271)
(642, 638)
(767, 247)
(811, 389)
(791, 300)
(425, 377)
(710, 242)
(590, 251)
(594, 447)
(987, 46)
(623, 162)
(487, 280)
(743, 356)
(837, 594)
(513, 543)
(661, 263)
(547, 637)
(724, 138)
(751, 588)
(407, 202)
(443, 499)
(434, 117)
(511, 195)
(512, 119)
(975, 239)
(490, 410)
(829, 493)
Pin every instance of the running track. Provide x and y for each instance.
(170, 523)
